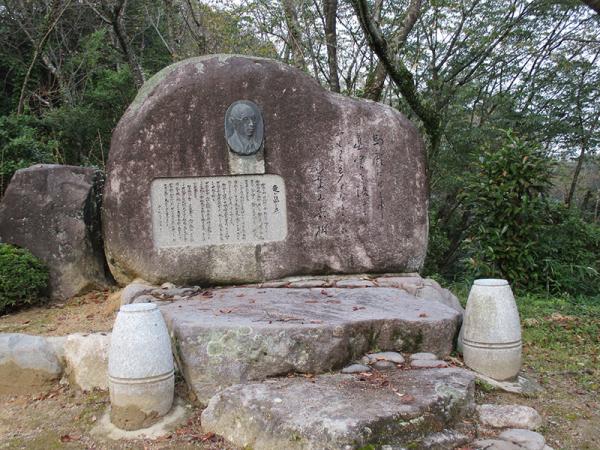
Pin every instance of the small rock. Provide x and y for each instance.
(144, 298)
(167, 286)
(356, 368)
(383, 365)
(134, 290)
(27, 364)
(428, 363)
(522, 385)
(354, 283)
(494, 444)
(444, 439)
(547, 447)
(308, 284)
(509, 416)
(394, 357)
(172, 292)
(525, 438)
(86, 357)
(423, 356)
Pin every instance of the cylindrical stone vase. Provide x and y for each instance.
(140, 367)
(491, 333)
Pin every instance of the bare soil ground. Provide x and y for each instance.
(65, 418)
(89, 313)
(560, 352)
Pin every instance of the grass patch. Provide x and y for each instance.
(560, 337)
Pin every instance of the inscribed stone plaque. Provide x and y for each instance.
(198, 211)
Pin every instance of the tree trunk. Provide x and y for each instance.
(571, 194)
(330, 7)
(294, 33)
(375, 83)
(118, 25)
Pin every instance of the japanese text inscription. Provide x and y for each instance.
(198, 211)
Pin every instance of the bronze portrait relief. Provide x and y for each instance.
(244, 129)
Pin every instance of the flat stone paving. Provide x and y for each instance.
(236, 335)
(410, 408)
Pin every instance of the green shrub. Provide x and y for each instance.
(517, 234)
(504, 196)
(569, 253)
(23, 278)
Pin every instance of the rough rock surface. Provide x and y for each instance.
(86, 360)
(525, 438)
(354, 174)
(495, 444)
(27, 364)
(423, 356)
(54, 212)
(234, 335)
(437, 293)
(509, 416)
(332, 411)
(394, 357)
(356, 368)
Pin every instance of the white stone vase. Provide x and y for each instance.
(491, 333)
(140, 367)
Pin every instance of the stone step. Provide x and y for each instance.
(236, 335)
(415, 409)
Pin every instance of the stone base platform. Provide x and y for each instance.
(238, 335)
(417, 409)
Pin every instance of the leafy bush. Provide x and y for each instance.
(569, 253)
(23, 278)
(504, 198)
(517, 234)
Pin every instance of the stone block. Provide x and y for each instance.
(27, 364)
(342, 411)
(86, 360)
(235, 335)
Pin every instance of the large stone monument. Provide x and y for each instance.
(231, 169)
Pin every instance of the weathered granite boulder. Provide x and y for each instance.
(53, 211)
(27, 364)
(344, 190)
(408, 409)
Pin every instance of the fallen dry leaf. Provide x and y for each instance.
(207, 437)
(69, 437)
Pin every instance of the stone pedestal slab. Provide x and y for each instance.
(237, 335)
(403, 410)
